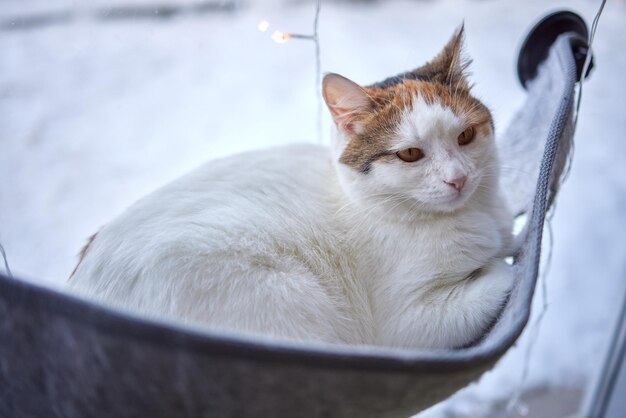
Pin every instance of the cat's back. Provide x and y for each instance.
(270, 181)
(256, 203)
(241, 243)
(256, 186)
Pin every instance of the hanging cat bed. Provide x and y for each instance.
(65, 357)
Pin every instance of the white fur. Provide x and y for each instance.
(288, 242)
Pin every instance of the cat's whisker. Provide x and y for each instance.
(362, 198)
(369, 209)
(366, 217)
(364, 212)
(505, 168)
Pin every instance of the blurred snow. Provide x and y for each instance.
(96, 113)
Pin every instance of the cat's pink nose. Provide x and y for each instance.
(457, 183)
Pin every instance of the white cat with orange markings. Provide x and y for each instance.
(396, 237)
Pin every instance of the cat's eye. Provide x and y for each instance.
(467, 136)
(410, 155)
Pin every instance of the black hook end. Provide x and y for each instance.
(540, 38)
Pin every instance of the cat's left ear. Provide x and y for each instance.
(453, 60)
(347, 101)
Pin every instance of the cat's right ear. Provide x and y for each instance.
(347, 102)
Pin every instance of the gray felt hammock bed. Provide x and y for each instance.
(65, 357)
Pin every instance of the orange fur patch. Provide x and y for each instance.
(380, 123)
(443, 80)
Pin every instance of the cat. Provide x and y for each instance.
(395, 236)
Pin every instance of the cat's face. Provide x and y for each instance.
(421, 138)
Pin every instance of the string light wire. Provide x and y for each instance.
(282, 37)
(318, 69)
(592, 35)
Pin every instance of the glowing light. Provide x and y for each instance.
(280, 37)
(263, 25)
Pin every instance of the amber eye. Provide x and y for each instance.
(410, 155)
(466, 136)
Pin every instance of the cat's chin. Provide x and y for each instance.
(451, 203)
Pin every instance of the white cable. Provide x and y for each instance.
(318, 70)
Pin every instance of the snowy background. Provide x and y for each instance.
(98, 108)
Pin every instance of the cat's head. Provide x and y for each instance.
(420, 136)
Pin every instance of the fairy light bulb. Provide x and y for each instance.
(263, 25)
(280, 37)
